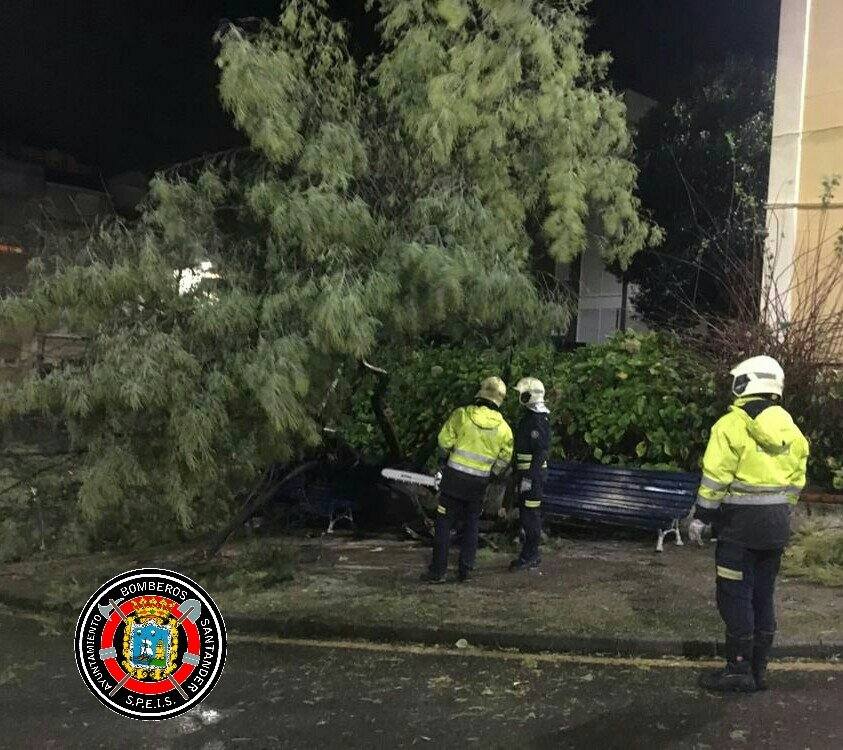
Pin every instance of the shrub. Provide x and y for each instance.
(638, 400)
(426, 384)
(819, 412)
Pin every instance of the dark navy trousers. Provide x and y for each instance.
(453, 510)
(531, 522)
(746, 582)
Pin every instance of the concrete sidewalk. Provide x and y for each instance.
(591, 596)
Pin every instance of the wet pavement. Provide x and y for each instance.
(597, 589)
(288, 694)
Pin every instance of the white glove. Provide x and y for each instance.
(695, 530)
(437, 478)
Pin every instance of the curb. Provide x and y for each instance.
(490, 639)
(525, 643)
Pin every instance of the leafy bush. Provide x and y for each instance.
(835, 466)
(636, 400)
(819, 414)
(425, 385)
(639, 400)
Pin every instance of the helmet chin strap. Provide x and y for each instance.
(539, 407)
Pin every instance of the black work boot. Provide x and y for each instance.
(429, 576)
(519, 564)
(737, 676)
(760, 657)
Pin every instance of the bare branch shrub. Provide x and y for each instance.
(790, 309)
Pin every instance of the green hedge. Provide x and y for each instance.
(425, 385)
(641, 401)
(819, 413)
(636, 400)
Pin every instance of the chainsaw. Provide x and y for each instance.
(410, 477)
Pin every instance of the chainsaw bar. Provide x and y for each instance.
(409, 477)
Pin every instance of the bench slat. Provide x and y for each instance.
(642, 498)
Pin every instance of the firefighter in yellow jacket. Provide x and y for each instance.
(753, 471)
(475, 443)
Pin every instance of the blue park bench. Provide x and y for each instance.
(593, 493)
(319, 497)
(638, 498)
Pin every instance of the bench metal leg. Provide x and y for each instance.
(674, 529)
(344, 516)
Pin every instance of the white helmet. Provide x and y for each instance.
(757, 375)
(492, 389)
(531, 393)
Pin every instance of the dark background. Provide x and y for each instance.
(132, 85)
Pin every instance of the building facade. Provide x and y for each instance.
(805, 205)
(47, 191)
(604, 304)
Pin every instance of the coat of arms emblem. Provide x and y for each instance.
(150, 640)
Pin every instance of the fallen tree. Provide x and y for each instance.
(375, 205)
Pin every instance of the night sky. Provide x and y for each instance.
(131, 85)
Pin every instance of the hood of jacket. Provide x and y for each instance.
(484, 417)
(773, 429)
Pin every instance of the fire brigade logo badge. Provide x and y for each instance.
(150, 644)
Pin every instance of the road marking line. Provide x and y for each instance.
(545, 658)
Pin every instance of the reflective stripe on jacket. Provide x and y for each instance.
(478, 441)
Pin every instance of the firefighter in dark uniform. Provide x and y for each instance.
(753, 471)
(475, 443)
(532, 445)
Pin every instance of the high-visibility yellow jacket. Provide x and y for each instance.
(478, 442)
(753, 471)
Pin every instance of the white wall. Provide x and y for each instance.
(601, 292)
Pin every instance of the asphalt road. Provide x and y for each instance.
(289, 694)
